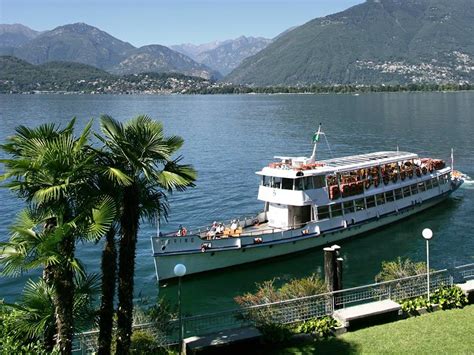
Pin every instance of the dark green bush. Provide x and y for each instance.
(449, 297)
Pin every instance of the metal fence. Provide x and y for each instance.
(295, 310)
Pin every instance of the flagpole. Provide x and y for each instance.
(315, 141)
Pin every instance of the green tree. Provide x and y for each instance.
(54, 171)
(143, 170)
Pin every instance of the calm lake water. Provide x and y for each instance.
(229, 138)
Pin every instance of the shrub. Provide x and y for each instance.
(449, 297)
(411, 306)
(267, 292)
(400, 268)
(322, 327)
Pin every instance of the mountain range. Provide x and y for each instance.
(376, 42)
(82, 43)
(89, 45)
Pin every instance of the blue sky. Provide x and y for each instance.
(169, 22)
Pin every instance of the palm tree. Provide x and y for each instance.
(143, 171)
(54, 172)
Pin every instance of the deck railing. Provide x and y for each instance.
(294, 310)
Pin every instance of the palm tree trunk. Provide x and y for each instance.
(64, 298)
(129, 222)
(50, 329)
(109, 269)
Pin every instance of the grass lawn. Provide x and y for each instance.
(447, 332)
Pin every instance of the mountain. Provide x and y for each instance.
(192, 50)
(24, 73)
(19, 76)
(223, 56)
(77, 42)
(156, 58)
(377, 42)
(229, 54)
(89, 45)
(15, 35)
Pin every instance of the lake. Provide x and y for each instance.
(229, 138)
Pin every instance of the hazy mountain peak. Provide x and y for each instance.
(14, 35)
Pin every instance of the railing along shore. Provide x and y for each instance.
(294, 310)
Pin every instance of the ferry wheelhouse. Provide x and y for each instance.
(308, 204)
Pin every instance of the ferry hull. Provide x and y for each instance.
(197, 262)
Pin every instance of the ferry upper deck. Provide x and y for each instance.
(289, 167)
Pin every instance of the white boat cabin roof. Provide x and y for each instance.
(288, 167)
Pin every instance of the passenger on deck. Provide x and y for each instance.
(234, 225)
(181, 231)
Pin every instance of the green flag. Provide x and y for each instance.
(316, 137)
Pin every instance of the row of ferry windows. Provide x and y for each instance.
(304, 183)
(360, 204)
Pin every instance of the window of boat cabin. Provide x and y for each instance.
(336, 210)
(348, 207)
(323, 212)
(276, 182)
(266, 181)
(406, 191)
(299, 184)
(398, 194)
(319, 181)
(380, 199)
(359, 204)
(370, 201)
(389, 196)
(287, 184)
(421, 186)
(429, 185)
(435, 182)
(414, 189)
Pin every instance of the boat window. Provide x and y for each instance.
(406, 191)
(435, 182)
(287, 184)
(444, 179)
(380, 199)
(389, 196)
(319, 181)
(336, 210)
(299, 184)
(370, 201)
(276, 182)
(414, 189)
(421, 186)
(429, 185)
(398, 194)
(308, 183)
(348, 207)
(360, 204)
(323, 212)
(267, 181)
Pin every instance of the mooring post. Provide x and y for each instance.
(329, 270)
(337, 282)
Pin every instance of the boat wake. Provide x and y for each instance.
(468, 182)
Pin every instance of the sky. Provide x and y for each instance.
(168, 22)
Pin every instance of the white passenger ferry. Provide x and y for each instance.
(308, 204)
